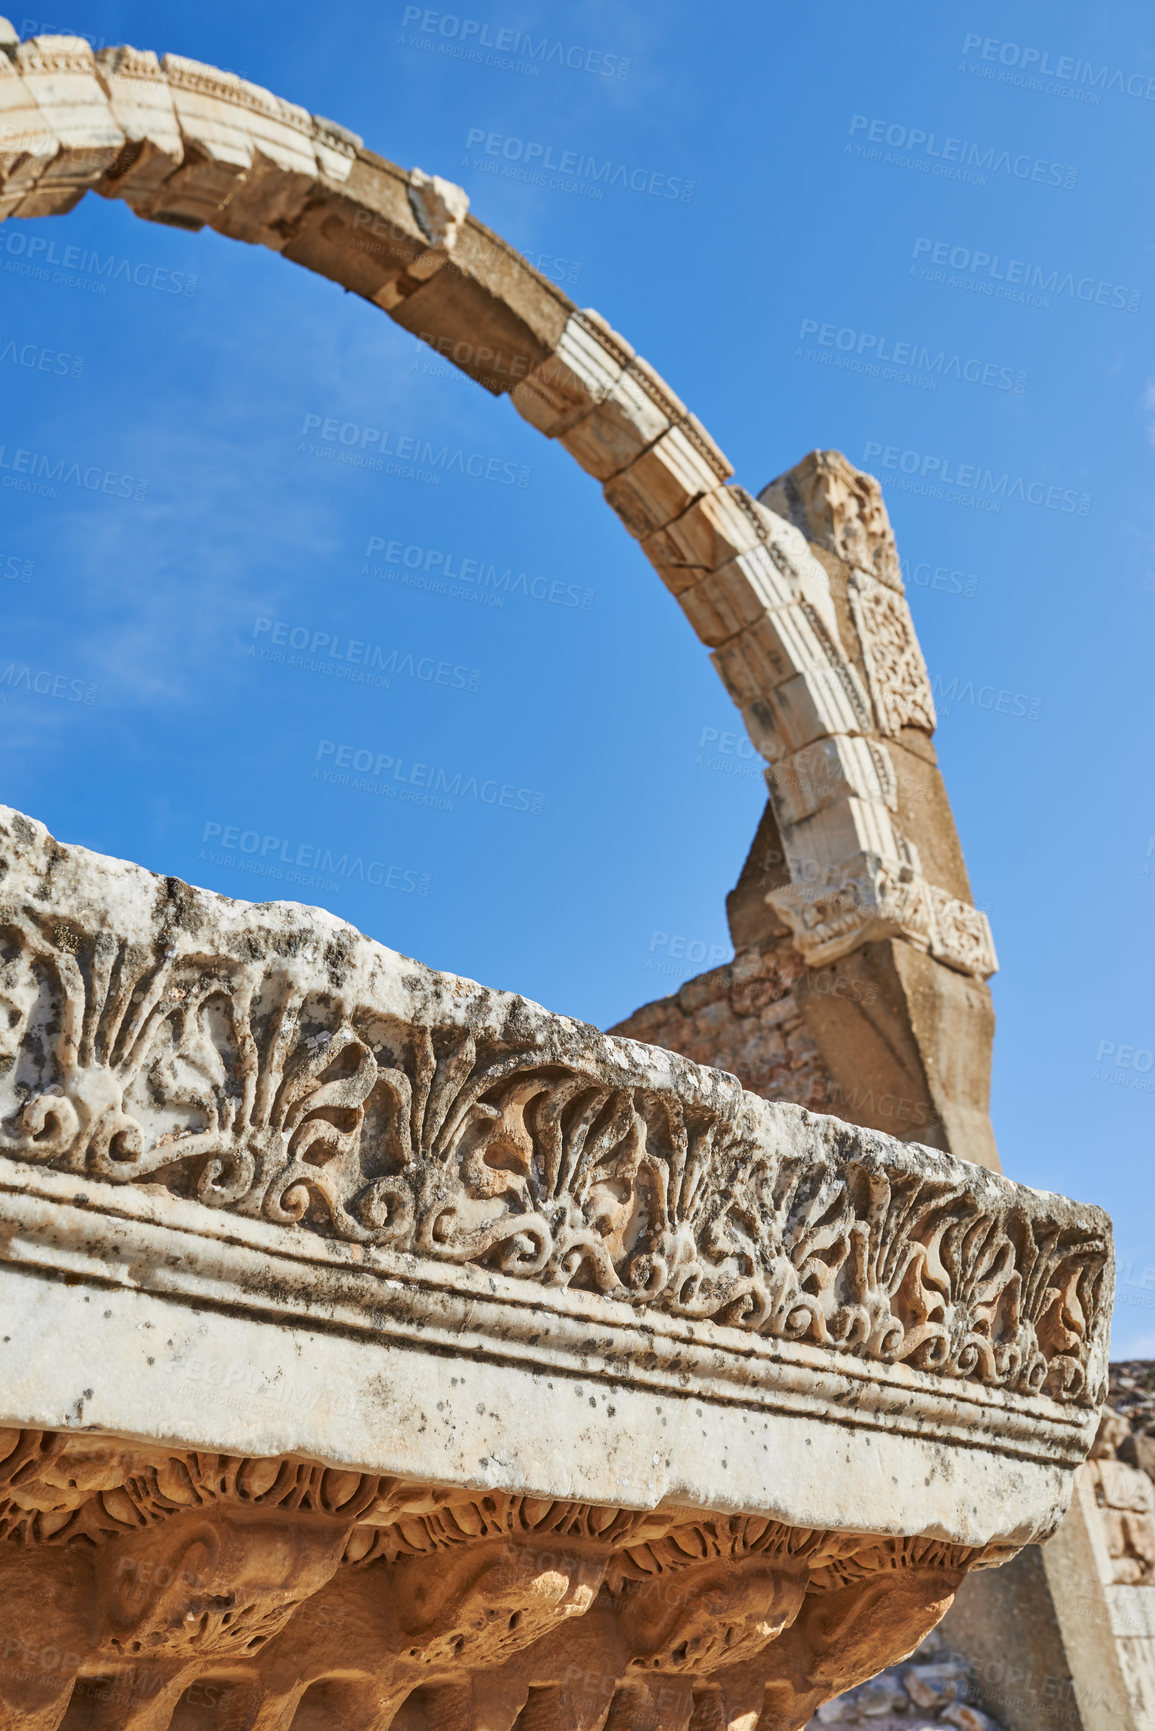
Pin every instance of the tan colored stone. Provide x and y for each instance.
(630, 417)
(218, 144)
(679, 468)
(838, 506)
(27, 143)
(483, 310)
(715, 529)
(59, 75)
(363, 235)
(587, 362)
(142, 107)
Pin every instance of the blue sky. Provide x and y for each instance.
(818, 200)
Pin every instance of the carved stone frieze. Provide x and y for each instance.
(270, 1063)
(895, 668)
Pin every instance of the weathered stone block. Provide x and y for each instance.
(830, 770)
(462, 312)
(363, 235)
(59, 75)
(738, 595)
(714, 530)
(27, 142)
(586, 364)
(659, 485)
(841, 830)
(629, 418)
(142, 107)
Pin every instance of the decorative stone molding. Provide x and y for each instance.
(897, 672)
(422, 1358)
(188, 144)
(872, 899)
(274, 1065)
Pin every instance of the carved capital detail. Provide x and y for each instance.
(871, 897)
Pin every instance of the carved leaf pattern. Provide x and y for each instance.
(227, 1082)
(896, 670)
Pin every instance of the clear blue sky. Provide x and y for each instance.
(791, 258)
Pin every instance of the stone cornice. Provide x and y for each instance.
(269, 1063)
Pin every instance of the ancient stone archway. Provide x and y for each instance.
(797, 593)
(421, 1359)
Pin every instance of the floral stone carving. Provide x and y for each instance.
(384, 1350)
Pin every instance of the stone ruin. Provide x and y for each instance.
(385, 1351)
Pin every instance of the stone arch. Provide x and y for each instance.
(796, 592)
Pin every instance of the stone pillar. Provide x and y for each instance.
(858, 983)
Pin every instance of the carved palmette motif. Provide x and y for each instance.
(246, 1085)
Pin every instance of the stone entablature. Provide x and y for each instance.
(416, 1352)
(272, 1064)
(185, 143)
